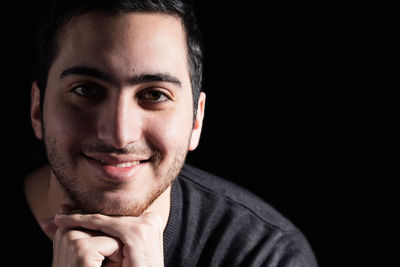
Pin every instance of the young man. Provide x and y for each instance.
(117, 103)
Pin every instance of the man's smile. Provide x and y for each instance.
(118, 168)
(124, 160)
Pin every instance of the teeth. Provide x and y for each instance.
(127, 164)
(121, 165)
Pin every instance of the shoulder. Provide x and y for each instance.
(244, 229)
(234, 196)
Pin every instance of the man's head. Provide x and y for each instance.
(63, 11)
(115, 108)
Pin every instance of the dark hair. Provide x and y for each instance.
(61, 12)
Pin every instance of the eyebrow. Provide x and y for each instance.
(134, 80)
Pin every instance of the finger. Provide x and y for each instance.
(49, 227)
(140, 236)
(95, 222)
(73, 234)
(92, 248)
(153, 217)
(105, 246)
(113, 226)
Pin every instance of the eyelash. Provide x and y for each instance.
(93, 91)
(96, 93)
(154, 92)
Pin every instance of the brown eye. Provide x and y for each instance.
(154, 95)
(84, 91)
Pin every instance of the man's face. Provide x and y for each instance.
(118, 111)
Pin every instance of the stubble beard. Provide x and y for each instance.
(92, 201)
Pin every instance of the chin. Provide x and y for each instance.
(113, 207)
(118, 202)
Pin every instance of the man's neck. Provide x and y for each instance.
(37, 192)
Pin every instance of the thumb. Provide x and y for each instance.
(49, 227)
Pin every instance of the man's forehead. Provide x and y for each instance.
(99, 30)
(148, 42)
(98, 20)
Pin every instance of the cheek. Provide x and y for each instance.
(67, 124)
(169, 133)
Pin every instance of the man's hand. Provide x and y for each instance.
(85, 248)
(92, 239)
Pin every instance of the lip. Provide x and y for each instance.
(117, 168)
(114, 159)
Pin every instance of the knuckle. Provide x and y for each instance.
(138, 229)
(137, 233)
(144, 230)
(154, 220)
(97, 217)
(81, 249)
(69, 236)
(78, 244)
(83, 261)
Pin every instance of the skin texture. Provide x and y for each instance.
(118, 92)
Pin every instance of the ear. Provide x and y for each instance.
(198, 123)
(36, 113)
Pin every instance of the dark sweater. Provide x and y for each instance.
(212, 223)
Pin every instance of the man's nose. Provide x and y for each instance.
(120, 123)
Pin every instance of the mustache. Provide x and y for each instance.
(132, 149)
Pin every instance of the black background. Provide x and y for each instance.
(285, 115)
